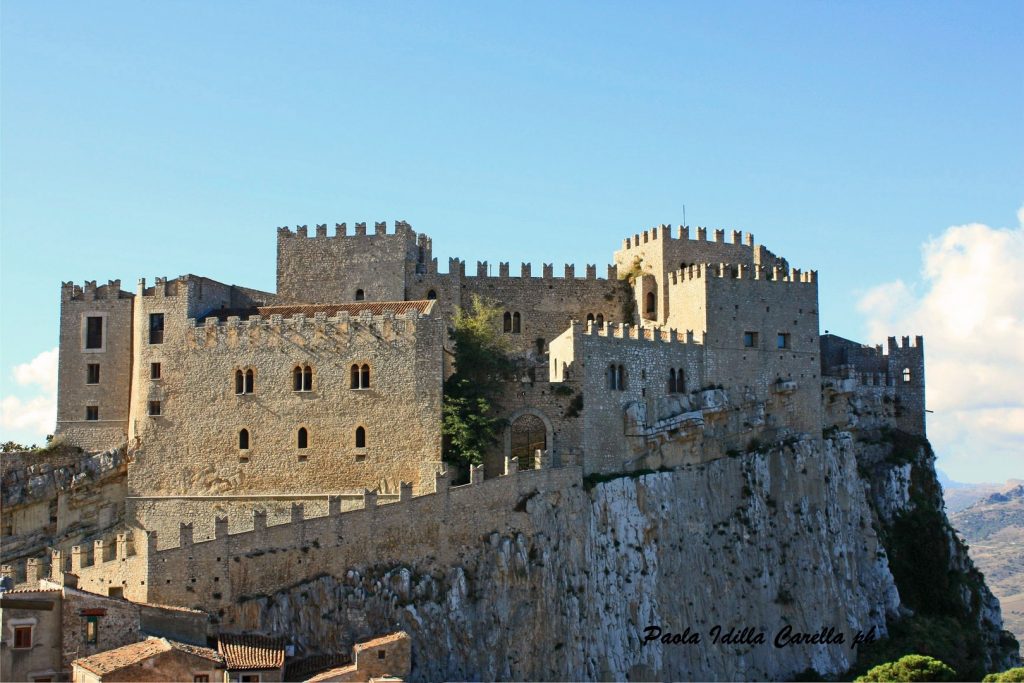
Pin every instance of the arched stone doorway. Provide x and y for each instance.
(529, 430)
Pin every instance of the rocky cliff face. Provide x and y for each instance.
(760, 541)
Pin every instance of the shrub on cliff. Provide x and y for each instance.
(910, 668)
(481, 364)
(1014, 675)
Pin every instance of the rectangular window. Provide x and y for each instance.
(22, 636)
(94, 332)
(250, 678)
(92, 630)
(782, 340)
(92, 375)
(750, 339)
(154, 408)
(92, 413)
(201, 678)
(156, 328)
(154, 371)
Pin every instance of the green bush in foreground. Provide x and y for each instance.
(1014, 675)
(910, 668)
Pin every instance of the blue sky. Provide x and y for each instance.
(143, 139)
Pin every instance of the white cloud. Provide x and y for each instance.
(970, 310)
(37, 414)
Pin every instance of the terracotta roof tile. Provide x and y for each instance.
(104, 663)
(252, 651)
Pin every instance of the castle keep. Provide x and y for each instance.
(258, 440)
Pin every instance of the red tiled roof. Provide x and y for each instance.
(353, 308)
(104, 663)
(252, 651)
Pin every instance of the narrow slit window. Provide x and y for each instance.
(250, 381)
(239, 382)
(303, 440)
(243, 439)
(297, 379)
(516, 323)
(364, 377)
(672, 381)
(506, 324)
(680, 382)
(94, 332)
(650, 303)
(92, 376)
(354, 376)
(360, 437)
(621, 385)
(156, 328)
(307, 379)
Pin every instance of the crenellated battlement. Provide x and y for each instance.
(636, 332)
(162, 287)
(380, 228)
(741, 271)
(664, 233)
(90, 291)
(526, 270)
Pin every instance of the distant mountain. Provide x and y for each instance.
(959, 495)
(994, 529)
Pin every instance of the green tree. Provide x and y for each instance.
(1014, 675)
(481, 364)
(910, 668)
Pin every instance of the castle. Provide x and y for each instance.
(267, 434)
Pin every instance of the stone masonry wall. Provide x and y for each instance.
(114, 357)
(193, 446)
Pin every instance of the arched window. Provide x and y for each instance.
(360, 295)
(249, 381)
(515, 323)
(590, 317)
(506, 322)
(906, 375)
(680, 382)
(600, 319)
(307, 379)
(611, 378)
(303, 437)
(360, 437)
(540, 345)
(239, 382)
(622, 378)
(297, 378)
(354, 376)
(243, 440)
(364, 377)
(672, 381)
(431, 295)
(650, 302)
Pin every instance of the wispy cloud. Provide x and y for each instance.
(36, 414)
(970, 309)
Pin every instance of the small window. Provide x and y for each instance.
(611, 378)
(515, 323)
(782, 340)
(354, 376)
(307, 379)
(651, 307)
(381, 654)
(115, 592)
(506, 322)
(297, 379)
(239, 382)
(154, 408)
(360, 295)
(360, 437)
(201, 678)
(243, 440)
(672, 381)
(364, 377)
(156, 328)
(92, 375)
(590, 317)
(750, 339)
(250, 381)
(540, 345)
(622, 378)
(680, 382)
(92, 413)
(22, 637)
(906, 375)
(154, 371)
(303, 438)
(94, 332)
(92, 630)
(251, 678)
(431, 295)
(600, 320)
